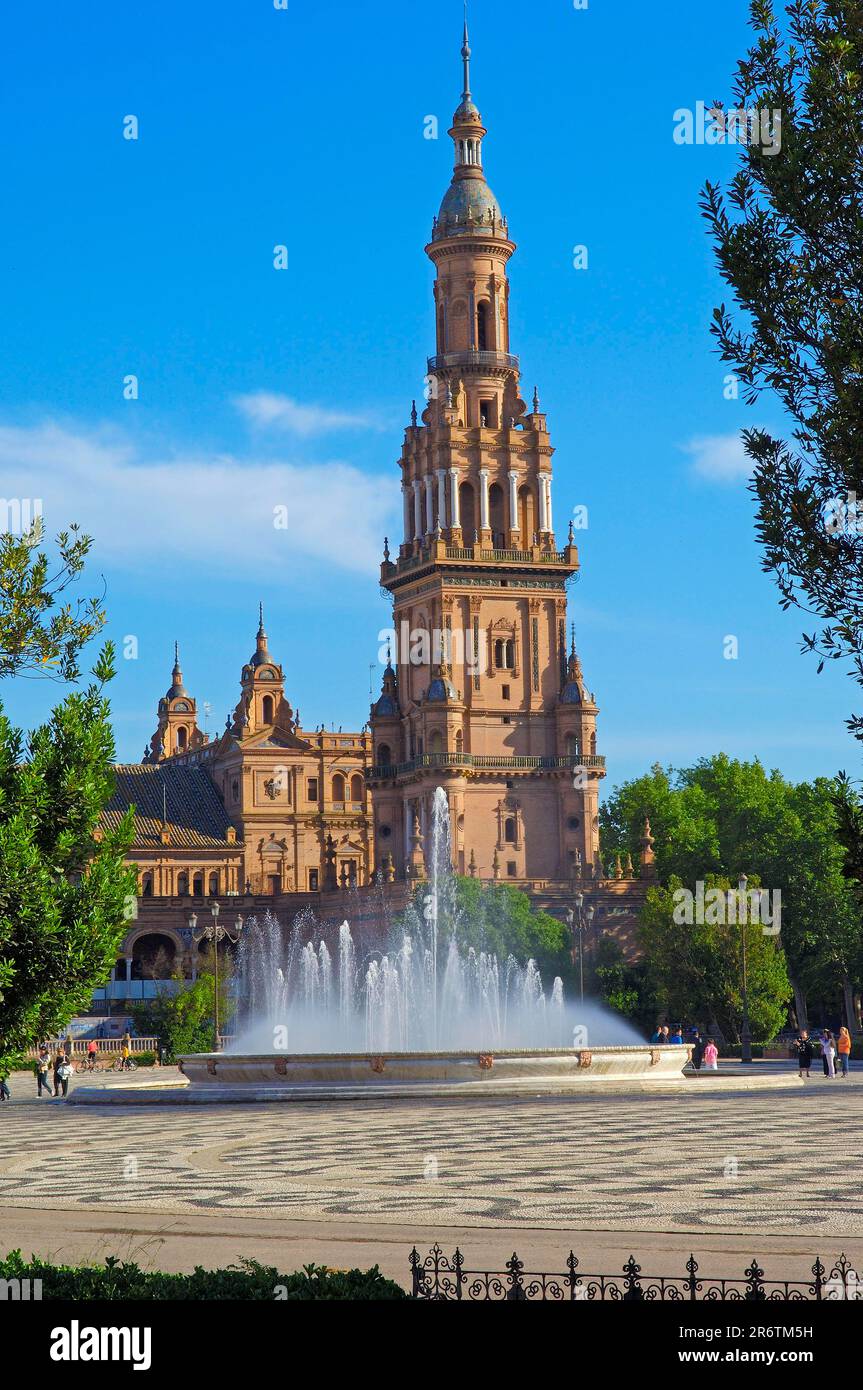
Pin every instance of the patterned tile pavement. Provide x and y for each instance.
(784, 1161)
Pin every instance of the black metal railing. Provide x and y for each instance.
(444, 1278)
(489, 761)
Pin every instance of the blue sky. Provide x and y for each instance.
(261, 388)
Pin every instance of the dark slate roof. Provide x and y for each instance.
(196, 817)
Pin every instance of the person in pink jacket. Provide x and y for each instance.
(711, 1056)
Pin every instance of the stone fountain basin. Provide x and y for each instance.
(505, 1071)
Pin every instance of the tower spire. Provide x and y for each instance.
(465, 55)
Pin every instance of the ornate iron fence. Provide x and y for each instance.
(439, 1277)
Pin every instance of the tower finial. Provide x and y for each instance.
(465, 53)
(260, 619)
(572, 648)
(176, 654)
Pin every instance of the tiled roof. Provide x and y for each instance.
(196, 818)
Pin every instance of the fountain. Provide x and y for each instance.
(433, 1013)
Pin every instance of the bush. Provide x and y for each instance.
(144, 1059)
(119, 1280)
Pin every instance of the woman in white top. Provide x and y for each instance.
(828, 1052)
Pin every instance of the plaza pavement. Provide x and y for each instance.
(730, 1174)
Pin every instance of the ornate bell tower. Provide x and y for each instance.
(177, 729)
(483, 700)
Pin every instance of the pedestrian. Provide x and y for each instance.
(711, 1056)
(828, 1052)
(59, 1061)
(843, 1047)
(92, 1054)
(126, 1053)
(665, 1034)
(805, 1052)
(43, 1072)
(4, 1087)
(677, 1035)
(698, 1046)
(656, 1035)
(64, 1071)
(67, 1047)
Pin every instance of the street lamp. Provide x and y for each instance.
(745, 1033)
(579, 922)
(215, 932)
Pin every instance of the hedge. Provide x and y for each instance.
(118, 1279)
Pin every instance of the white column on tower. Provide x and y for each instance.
(418, 521)
(543, 503)
(406, 498)
(548, 501)
(455, 509)
(513, 500)
(441, 498)
(483, 498)
(429, 481)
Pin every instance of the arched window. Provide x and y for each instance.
(385, 757)
(441, 329)
(483, 325)
(496, 516)
(509, 830)
(573, 746)
(356, 787)
(198, 885)
(268, 709)
(459, 741)
(526, 517)
(182, 738)
(436, 742)
(214, 885)
(338, 787)
(503, 653)
(147, 885)
(182, 885)
(592, 745)
(467, 512)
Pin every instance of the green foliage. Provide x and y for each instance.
(502, 920)
(619, 985)
(788, 239)
(695, 972)
(183, 1021)
(249, 1281)
(64, 893)
(37, 636)
(726, 817)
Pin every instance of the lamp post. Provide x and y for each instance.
(745, 1033)
(215, 932)
(577, 926)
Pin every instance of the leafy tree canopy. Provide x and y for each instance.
(42, 630)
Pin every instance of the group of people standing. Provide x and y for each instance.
(705, 1053)
(831, 1048)
(53, 1073)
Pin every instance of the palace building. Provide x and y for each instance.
(484, 694)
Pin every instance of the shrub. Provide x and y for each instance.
(121, 1280)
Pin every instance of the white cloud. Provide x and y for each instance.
(216, 513)
(269, 410)
(720, 458)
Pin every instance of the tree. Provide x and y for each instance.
(182, 1019)
(788, 237)
(503, 921)
(727, 817)
(36, 635)
(65, 891)
(695, 972)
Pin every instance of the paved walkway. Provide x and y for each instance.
(735, 1174)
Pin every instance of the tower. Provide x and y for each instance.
(484, 700)
(177, 728)
(262, 686)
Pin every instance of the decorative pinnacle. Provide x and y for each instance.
(535, 401)
(176, 655)
(413, 412)
(260, 619)
(572, 648)
(465, 53)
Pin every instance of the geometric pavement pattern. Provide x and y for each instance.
(786, 1161)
